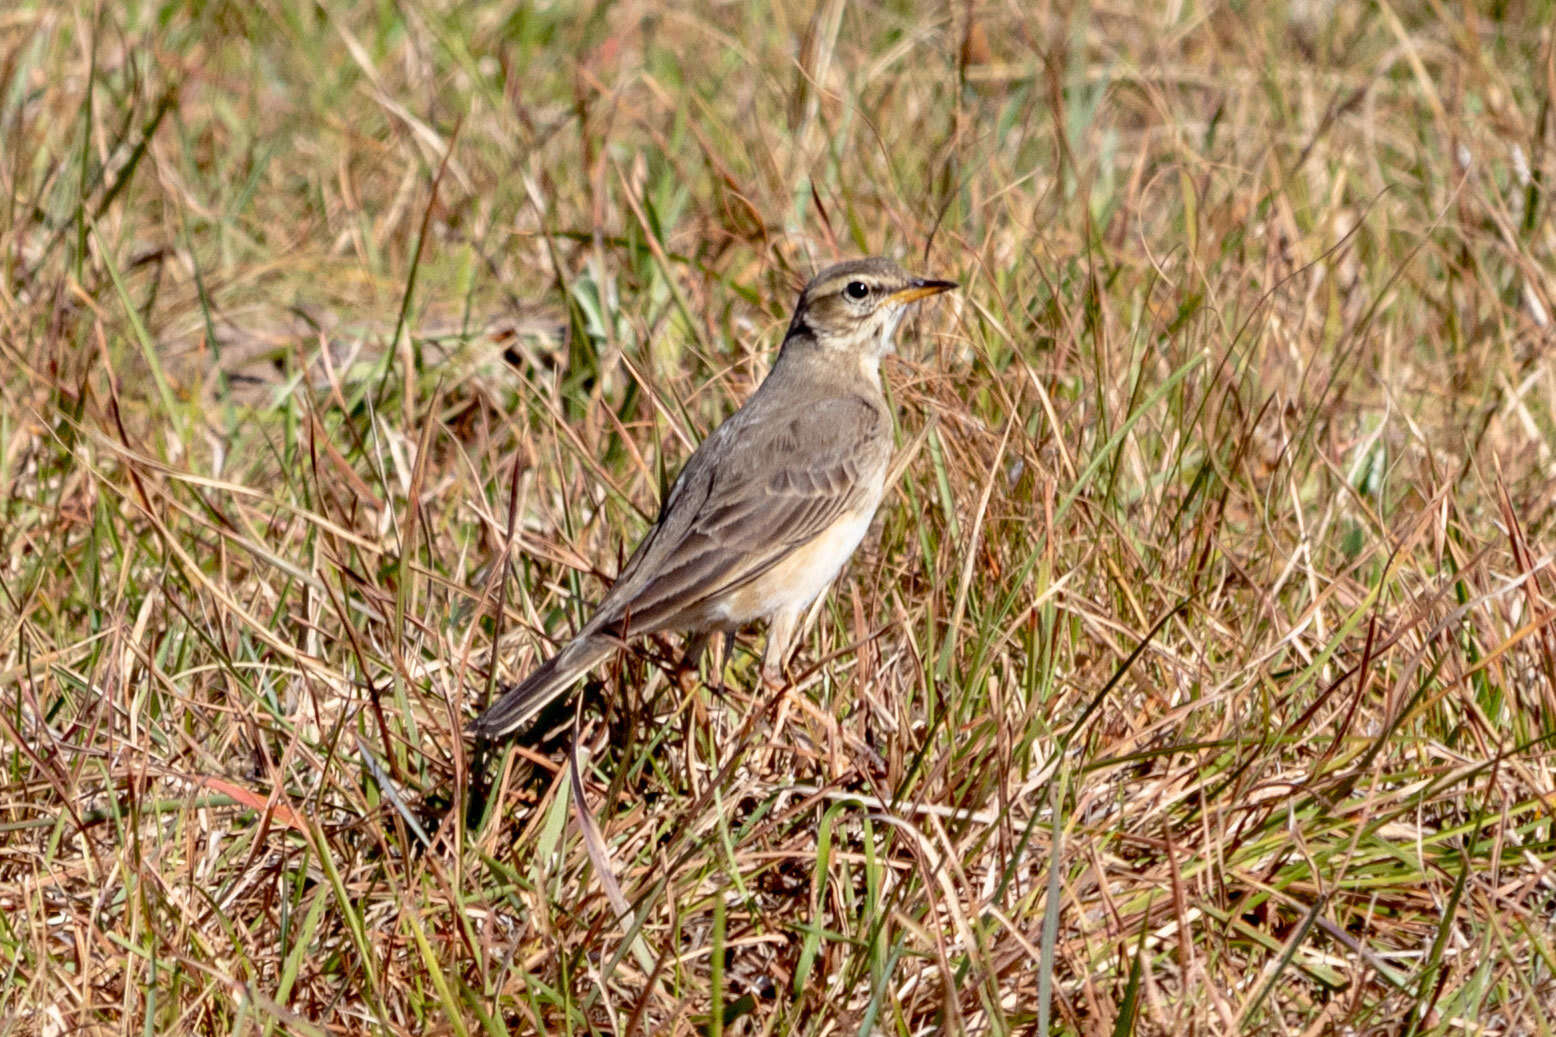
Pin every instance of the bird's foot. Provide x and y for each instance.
(775, 678)
(840, 752)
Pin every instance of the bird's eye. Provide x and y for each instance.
(856, 290)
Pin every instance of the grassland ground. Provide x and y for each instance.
(1198, 675)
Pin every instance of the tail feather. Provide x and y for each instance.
(520, 703)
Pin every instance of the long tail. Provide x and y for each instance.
(520, 703)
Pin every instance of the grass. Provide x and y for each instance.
(1198, 676)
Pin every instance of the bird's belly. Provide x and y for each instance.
(796, 581)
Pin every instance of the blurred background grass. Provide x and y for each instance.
(1198, 675)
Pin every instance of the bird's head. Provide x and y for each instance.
(855, 307)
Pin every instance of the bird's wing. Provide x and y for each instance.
(754, 491)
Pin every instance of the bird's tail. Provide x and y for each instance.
(520, 703)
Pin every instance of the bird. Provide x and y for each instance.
(772, 504)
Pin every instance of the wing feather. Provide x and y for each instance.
(748, 496)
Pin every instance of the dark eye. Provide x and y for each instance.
(856, 290)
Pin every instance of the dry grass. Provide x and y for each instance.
(1198, 678)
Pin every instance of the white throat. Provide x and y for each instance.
(887, 340)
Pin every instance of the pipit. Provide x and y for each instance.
(770, 507)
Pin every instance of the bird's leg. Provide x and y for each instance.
(726, 642)
(696, 644)
(691, 658)
(780, 640)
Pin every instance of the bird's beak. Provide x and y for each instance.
(918, 288)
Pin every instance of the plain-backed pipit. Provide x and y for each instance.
(770, 506)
